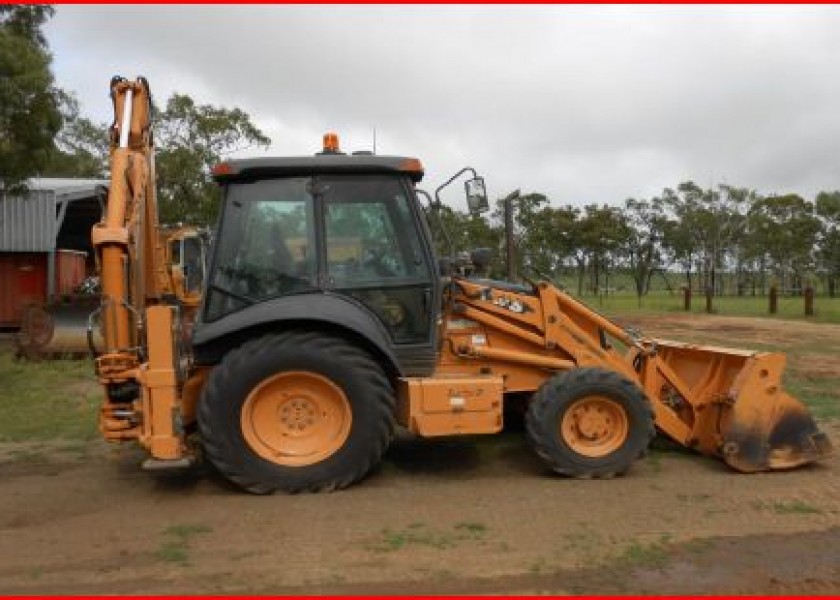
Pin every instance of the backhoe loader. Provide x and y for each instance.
(326, 321)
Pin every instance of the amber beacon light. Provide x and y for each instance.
(331, 142)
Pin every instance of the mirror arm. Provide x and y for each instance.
(435, 208)
(451, 179)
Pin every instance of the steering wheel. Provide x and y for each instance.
(375, 260)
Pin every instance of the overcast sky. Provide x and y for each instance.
(585, 104)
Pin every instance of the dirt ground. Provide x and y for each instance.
(466, 516)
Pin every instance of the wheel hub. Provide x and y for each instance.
(297, 414)
(594, 426)
(296, 418)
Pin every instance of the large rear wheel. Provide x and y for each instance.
(298, 411)
(589, 422)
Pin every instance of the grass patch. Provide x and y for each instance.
(418, 534)
(790, 507)
(31, 456)
(473, 529)
(651, 555)
(173, 552)
(795, 507)
(538, 566)
(55, 400)
(654, 460)
(692, 498)
(175, 546)
(821, 395)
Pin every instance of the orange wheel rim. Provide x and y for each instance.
(296, 418)
(594, 426)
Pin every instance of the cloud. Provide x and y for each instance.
(585, 104)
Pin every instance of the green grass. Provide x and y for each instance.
(795, 507)
(826, 310)
(474, 529)
(175, 546)
(538, 566)
(821, 395)
(418, 534)
(650, 555)
(55, 400)
(790, 507)
(691, 498)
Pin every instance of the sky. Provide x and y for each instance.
(584, 104)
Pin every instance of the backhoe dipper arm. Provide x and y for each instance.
(125, 240)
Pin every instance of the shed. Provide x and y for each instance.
(45, 247)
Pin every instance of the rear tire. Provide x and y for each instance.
(297, 411)
(589, 422)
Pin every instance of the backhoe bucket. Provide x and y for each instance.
(741, 413)
(56, 330)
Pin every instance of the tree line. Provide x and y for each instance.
(701, 233)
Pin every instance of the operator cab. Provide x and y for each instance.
(347, 227)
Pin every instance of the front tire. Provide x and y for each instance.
(589, 422)
(297, 411)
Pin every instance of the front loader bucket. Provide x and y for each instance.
(740, 412)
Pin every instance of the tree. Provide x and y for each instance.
(26, 20)
(466, 232)
(29, 101)
(709, 223)
(646, 224)
(191, 138)
(528, 228)
(553, 238)
(600, 234)
(785, 228)
(827, 206)
(81, 145)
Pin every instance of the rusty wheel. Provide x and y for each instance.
(589, 422)
(297, 411)
(296, 418)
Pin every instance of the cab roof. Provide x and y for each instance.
(320, 164)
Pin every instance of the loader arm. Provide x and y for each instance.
(721, 402)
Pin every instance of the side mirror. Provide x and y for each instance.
(481, 259)
(476, 196)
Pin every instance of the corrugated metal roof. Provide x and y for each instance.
(29, 223)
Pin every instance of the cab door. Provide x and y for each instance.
(374, 252)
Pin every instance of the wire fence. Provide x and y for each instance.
(822, 308)
(616, 294)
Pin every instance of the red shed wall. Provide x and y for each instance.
(23, 280)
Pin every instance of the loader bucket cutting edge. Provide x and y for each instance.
(781, 436)
(759, 427)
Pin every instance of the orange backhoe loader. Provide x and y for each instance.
(325, 321)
